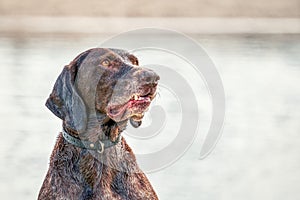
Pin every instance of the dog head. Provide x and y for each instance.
(102, 82)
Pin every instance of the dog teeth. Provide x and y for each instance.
(137, 97)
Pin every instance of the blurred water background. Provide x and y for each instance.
(256, 158)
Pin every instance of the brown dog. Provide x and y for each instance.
(95, 96)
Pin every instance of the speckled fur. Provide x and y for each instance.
(80, 174)
(75, 173)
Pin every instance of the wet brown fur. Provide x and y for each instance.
(76, 173)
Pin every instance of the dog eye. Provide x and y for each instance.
(105, 63)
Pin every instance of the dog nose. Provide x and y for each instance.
(148, 76)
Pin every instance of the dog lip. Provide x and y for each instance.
(136, 101)
(116, 110)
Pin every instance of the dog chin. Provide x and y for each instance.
(135, 123)
(135, 115)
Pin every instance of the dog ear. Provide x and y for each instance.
(133, 59)
(64, 101)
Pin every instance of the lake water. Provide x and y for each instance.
(257, 156)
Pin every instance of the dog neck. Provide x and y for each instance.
(99, 127)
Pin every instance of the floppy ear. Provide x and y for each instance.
(64, 101)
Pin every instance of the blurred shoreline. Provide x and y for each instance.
(89, 25)
(154, 8)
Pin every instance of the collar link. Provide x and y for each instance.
(99, 145)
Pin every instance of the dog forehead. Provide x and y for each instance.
(120, 52)
(126, 55)
(99, 54)
(89, 71)
(95, 56)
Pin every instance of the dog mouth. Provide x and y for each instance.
(134, 107)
